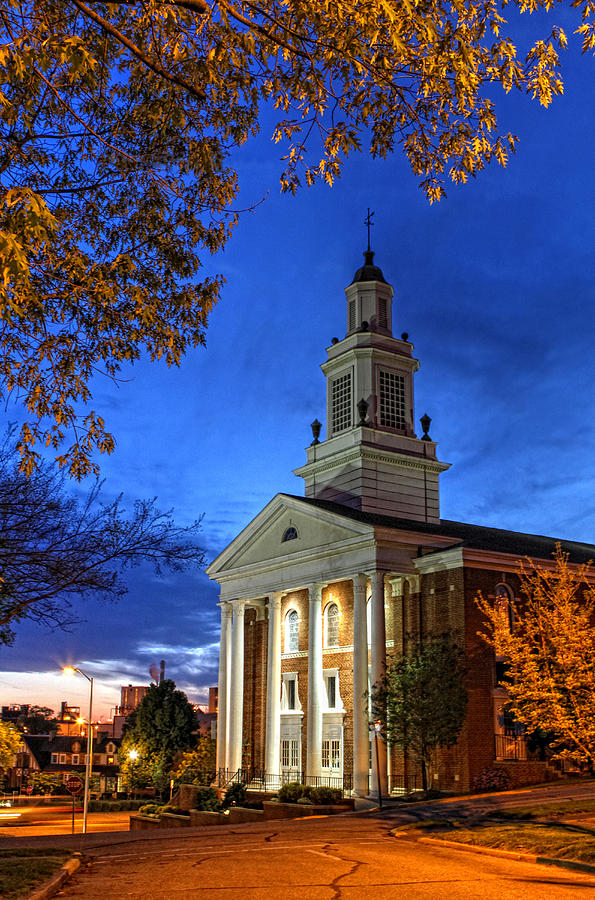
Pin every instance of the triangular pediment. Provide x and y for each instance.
(262, 541)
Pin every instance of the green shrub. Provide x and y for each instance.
(206, 799)
(324, 795)
(148, 809)
(291, 793)
(305, 801)
(166, 808)
(235, 795)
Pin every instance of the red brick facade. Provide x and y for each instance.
(445, 601)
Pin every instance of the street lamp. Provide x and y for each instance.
(70, 670)
(377, 727)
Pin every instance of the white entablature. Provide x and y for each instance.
(329, 546)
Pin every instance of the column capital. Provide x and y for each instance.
(360, 581)
(275, 598)
(315, 592)
(377, 575)
(225, 607)
(238, 604)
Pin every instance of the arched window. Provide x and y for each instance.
(292, 632)
(503, 603)
(331, 625)
(290, 534)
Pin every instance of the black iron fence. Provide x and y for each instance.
(510, 747)
(259, 780)
(403, 784)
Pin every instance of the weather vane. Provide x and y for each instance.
(368, 221)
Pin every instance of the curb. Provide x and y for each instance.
(53, 884)
(512, 854)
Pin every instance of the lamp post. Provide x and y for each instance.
(377, 727)
(70, 670)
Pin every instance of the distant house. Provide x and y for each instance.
(64, 754)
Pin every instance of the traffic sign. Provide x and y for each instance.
(29, 788)
(74, 784)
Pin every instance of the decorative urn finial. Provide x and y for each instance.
(362, 408)
(425, 422)
(315, 426)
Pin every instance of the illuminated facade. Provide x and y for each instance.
(317, 592)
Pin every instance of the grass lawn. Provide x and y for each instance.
(552, 810)
(21, 870)
(556, 839)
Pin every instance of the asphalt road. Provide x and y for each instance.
(19, 822)
(338, 857)
(348, 856)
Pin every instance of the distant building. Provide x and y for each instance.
(70, 721)
(14, 711)
(130, 697)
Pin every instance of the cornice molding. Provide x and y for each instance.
(369, 454)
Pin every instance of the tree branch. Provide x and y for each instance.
(136, 51)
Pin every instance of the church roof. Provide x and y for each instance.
(478, 537)
(369, 272)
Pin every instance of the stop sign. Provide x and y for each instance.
(29, 788)
(74, 784)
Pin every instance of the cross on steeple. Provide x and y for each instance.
(368, 221)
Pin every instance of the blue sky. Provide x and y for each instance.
(495, 287)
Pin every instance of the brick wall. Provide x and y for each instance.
(255, 666)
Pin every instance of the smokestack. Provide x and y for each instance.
(162, 672)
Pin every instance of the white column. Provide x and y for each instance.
(314, 748)
(272, 763)
(378, 669)
(361, 739)
(224, 685)
(236, 697)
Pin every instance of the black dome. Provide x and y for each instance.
(369, 272)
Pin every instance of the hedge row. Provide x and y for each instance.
(115, 805)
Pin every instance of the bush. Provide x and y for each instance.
(235, 795)
(148, 809)
(490, 780)
(324, 795)
(305, 801)
(291, 793)
(206, 800)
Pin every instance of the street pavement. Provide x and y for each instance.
(347, 856)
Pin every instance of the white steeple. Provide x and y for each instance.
(372, 459)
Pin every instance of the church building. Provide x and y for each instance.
(320, 591)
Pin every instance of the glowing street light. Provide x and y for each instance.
(71, 670)
(133, 754)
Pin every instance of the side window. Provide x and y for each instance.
(504, 604)
(292, 632)
(331, 691)
(331, 683)
(331, 625)
(290, 698)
